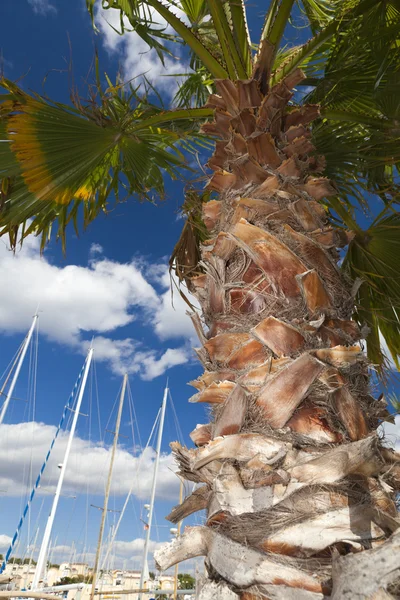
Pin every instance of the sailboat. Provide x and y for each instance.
(49, 526)
(38, 582)
(18, 365)
(46, 538)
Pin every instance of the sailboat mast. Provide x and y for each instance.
(46, 537)
(153, 490)
(178, 534)
(33, 548)
(17, 370)
(108, 487)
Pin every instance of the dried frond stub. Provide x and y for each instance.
(250, 355)
(232, 415)
(332, 378)
(222, 180)
(201, 435)
(297, 131)
(224, 246)
(249, 94)
(215, 101)
(339, 356)
(300, 147)
(222, 346)
(244, 123)
(316, 256)
(241, 447)
(250, 208)
(304, 115)
(350, 414)
(310, 420)
(359, 458)
(276, 260)
(198, 500)
(283, 339)
(290, 168)
(265, 190)
(215, 393)
(211, 213)
(231, 498)
(319, 532)
(229, 93)
(210, 377)
(282, 394)
(319, 188)
(261, 146)
(314, 293)
(240, 568)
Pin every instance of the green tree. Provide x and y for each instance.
(305, 136)
(186, 581)
(75, 579)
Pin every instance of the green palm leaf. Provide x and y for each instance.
(59, 161)
(372, 257)
(54, 158)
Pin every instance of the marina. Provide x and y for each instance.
(77, 580)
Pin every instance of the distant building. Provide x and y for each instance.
(109, 582)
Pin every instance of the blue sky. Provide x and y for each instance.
(113, 284)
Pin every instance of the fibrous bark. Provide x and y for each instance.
(369, 574)
(293, 473)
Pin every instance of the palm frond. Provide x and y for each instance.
(372, 257)
(349, 22)
(319, 13)
(234, 61)
(195, 10)
(240, 32)
(358, 91)
(186, 255)
(143, 22)
(195, 89)
(275, 24)
(55, 158)
(144, 18)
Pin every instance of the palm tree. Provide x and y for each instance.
(298, 489)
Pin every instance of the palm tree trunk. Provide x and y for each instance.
(291, 468)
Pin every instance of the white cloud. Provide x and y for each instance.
(72, 299)
(171, 358)
(171, 320)
(87, 467)
(42, 7)
(137, 58)
(5, 541)
(391, 433)
(95, 249)
(97, 299)
(135, 547)
(125, 356)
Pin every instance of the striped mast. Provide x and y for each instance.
(43, 467)
(49, 525)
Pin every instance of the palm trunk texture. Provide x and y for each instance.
(292, 474)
